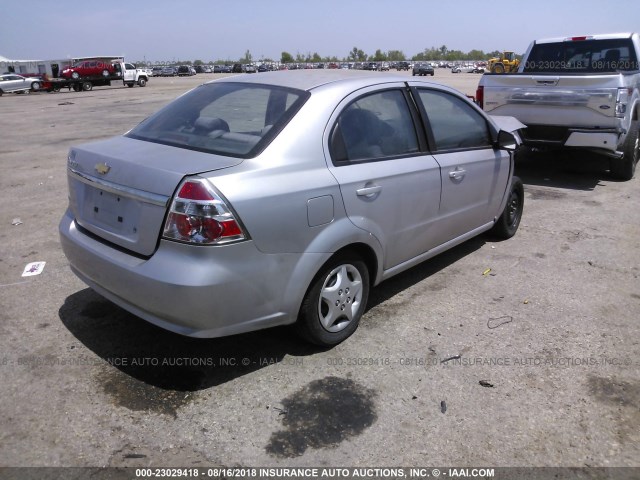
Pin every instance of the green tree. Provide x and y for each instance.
(379, 56)
(247, 57)
(357, 55)
(286, 57)
(476, 55)
(396, 55)
(198, 62)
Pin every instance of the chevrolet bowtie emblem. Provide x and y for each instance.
(102, 168)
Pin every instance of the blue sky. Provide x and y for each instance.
(162, 30)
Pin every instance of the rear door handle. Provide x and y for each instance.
(457, 174)
(369, 191)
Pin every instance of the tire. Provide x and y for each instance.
(87, 86)
(75, 75)
(142, 82)
(35, 86)
(56, 89)
(507, 224)
(130, 84)
(335, 301)
(624, 168)
(76, 87)
(498, 68)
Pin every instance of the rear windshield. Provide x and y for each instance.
(233, 119)
(588, 56)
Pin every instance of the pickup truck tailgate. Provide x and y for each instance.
(562, 100)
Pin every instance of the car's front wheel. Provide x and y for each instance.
(507, 224)
(335, 301)
(624, 168)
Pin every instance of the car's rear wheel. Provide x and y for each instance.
(507, 225)
(624, 168)
(335, 301)
(86, 86)
(35, 86)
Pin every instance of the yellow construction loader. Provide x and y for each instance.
(505, 63)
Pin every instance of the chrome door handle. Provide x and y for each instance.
(369, 191)
(457, 174)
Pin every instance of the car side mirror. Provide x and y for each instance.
(507, 141)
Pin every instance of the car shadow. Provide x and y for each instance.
(575, 170)
(424, 270)
(167, 360)
(173, 362)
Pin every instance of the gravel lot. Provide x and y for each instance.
(548, 339)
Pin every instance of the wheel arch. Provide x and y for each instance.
(310, 265)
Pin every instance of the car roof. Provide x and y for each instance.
(310, 79)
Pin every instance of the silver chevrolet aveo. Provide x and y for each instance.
(254, 201)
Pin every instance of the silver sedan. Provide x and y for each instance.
(251, 202)
(10, 82)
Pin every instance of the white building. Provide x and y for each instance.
(50, 67)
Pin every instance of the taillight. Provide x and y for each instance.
(199, 215)
(622, 99)
(480, 96)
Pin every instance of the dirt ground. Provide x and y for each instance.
(533, 363)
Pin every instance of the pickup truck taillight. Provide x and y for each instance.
(199, 215)
(480, 96)
(621, 101)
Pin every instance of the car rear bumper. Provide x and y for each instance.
(561, 137)
(199, 291)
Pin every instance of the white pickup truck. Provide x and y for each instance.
(576, 92)
(132, 75)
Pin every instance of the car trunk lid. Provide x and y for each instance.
(119, 189)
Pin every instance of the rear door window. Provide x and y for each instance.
(374, 126)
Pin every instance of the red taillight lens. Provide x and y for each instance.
(199, 215)
(480, 96)
(194, 191)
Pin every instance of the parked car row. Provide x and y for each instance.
(475, 67)
(187, 70)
